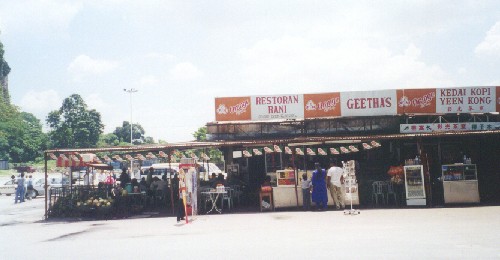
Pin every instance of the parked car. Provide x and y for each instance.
(8, 188)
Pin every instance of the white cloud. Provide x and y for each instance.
(40, 103)
(294, 65)
(491, 43)
(35, 16)
(159, 56)
(34, 101)
(84, 65)
(185, 71)
(149, 81)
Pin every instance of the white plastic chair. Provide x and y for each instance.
(227, 197)
(205, 197)
(378, 190)
(391, 192)
(236, 192)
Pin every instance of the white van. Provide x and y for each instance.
(160, 169)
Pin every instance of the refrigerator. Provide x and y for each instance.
(414, 185)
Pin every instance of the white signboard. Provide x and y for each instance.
(465, 100)
(456, 127)
(368, 103)
(280, 107)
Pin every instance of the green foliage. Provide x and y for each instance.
(200, 134)
(162, 141)
(73, 125)
(21, 136)
(123, 133)
(107, 140)
(149, 140)
(4, 66)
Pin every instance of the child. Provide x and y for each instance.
(306, 192)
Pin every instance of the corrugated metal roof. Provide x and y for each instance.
(248, 143)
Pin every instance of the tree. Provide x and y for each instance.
(201, 135)
(4, 71)
(123, 133)
(73, 125)
(34, 141)
(149, 140)
(21, 136)
(9, 127)
(106, 140)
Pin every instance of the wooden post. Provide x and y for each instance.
(296, 180)
(171, 183)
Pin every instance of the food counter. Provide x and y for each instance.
(284, 193)
(460, 183)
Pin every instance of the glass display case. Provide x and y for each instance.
(414, 184)
(460, 183)
(459, 172)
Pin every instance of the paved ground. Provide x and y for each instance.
(451, 233)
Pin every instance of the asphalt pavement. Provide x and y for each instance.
(420, 233)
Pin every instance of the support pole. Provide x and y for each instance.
(45, 186)
(171, 182)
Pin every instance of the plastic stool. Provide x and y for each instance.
(268, 194)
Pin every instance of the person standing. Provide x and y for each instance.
(124, 178)
(182, 193)
(101, 178)
(306, 192)
(319, 195)
(86, 178)
(149, 177)
(20, 189)
(110, 182)
(29, 186)
(335, 182)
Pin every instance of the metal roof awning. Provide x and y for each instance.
(264, 142)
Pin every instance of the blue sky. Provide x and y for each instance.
(180, 55)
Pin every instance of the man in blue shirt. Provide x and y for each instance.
(20, 189)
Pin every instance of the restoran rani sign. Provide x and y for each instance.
(359, 103)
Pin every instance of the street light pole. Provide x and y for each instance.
(131, 91)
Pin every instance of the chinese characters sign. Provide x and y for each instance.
(440, 127)
(465, 100)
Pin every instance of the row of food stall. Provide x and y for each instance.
(459, 184)
(459, 181)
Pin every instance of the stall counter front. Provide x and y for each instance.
(284, 193)
(285, 197)
(460, 183)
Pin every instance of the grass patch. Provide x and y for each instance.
(7, 173)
